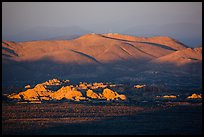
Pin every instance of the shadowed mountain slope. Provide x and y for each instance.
(103, 57)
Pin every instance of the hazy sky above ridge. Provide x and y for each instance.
(23, 21)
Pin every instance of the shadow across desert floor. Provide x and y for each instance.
(116, 71)
(176, 120)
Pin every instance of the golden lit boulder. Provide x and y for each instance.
(109, 94)
(195, 96)
(71, 86)
(66, 92)
(45, 98)
(59, 94)
(73, 94)
(29, 94)
(52, 82)
(66, 81)
(91, 94)
(82, 86)
(27, 86)
(98, 85)
(14, 96)
(169, 96)
(40, 87)
(122, 97)
(139, 86)
(79, 98)
(36, 93)
(89, 85)
(32, 94)
(41, 90)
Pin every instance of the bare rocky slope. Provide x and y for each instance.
(102, 57)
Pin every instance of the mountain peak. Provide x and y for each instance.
(89, 36)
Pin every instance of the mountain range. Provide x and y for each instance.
(104, 57)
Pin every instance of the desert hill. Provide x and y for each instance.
(103, 57)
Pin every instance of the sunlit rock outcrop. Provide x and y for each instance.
(169, 96)
(91, 94)
(46, 92)
(39, 92)
(40, 87)
(59, 94)
(66, 81)
(14, 96)
(73, 94)
(122, 97)
(111, 95)
(83, 85)
(195, 96)
(53, 82)
(112, 85)
(139, 86)
(98, 85)
(67, 93)
(27, 86)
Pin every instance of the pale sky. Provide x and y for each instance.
(22, 21)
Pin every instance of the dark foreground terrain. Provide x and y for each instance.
(181, 118)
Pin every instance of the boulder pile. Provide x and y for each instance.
(70, 92)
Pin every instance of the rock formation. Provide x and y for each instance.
(39, 92)
(111, 95)
(169, 96)
(195, 96)
(139, 86)
(52, 82)
(27, 86)
(67, 93)
(91, 94)
(71, 92)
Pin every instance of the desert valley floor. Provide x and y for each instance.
(174, 118)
